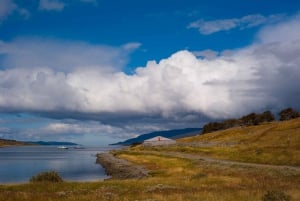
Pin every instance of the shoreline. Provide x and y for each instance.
(118, 168)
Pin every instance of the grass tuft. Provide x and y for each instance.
(276, 196)
(50, 176)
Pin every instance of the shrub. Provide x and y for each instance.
(276, 196)
(50, 176)
(267, 116)
(288, 113)
(247, 120)
(211, 127)
(250, 119)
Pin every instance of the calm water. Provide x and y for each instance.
(18, 164)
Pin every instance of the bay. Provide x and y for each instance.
(18, 164)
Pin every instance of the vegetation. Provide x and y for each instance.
(4, 142)
(247, 120)
(251, 120)
(276, 143)
(50, 176)
(194, 169)
(276, 196)
(288, 114)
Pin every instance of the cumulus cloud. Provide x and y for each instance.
(180, 89)
(77, 129)
(213, 26)
(206, 54)
(83, 132)
(287, 31)
(51, 5)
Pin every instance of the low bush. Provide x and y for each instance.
(288, 114)
(50, 176)
(276, 196)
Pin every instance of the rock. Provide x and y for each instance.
(119, 168)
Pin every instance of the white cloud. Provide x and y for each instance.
(132, 46)
(75, 130)
(61, 55)
(209, 27)
(206, 54)
(51, 5)
(95, 2)
(288, 31)
(80, 128)
(213, 26)
(59, 5)
(181, 88)
(8, 7)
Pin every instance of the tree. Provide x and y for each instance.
(266, 116)
(231, 123)
(288, 113)
(211, 127)
(250, 119)
(256, 119)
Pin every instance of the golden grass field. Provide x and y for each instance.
(196, 168)
(4, 143)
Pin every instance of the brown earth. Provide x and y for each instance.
(119, 168)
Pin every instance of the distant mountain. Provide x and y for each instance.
(53, 143)
(6, 142)
(173, 134)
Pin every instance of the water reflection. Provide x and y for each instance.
(18, 164)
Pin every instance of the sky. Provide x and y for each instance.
(96, 72)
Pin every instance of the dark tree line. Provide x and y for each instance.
(250, 120)
(288, 113)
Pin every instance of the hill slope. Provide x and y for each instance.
(173, 134)
(272, 143)
(4, 142)
(45, 143)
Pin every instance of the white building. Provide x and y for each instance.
(158, 140)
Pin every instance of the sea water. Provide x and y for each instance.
(19, 163)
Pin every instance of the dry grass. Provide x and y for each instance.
(275, 143)
(183, 179)
(4, 143)
(173, 179)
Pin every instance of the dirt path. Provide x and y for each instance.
(122, 169)
(227, 162)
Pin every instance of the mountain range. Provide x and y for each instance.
(172, 134)
(52, 143)
(9, 142)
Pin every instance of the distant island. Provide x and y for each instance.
(173, 134)
(7, 142)
(46, 143)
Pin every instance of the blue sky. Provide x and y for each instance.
(98, 71)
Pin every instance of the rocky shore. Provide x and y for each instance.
(120, 169)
